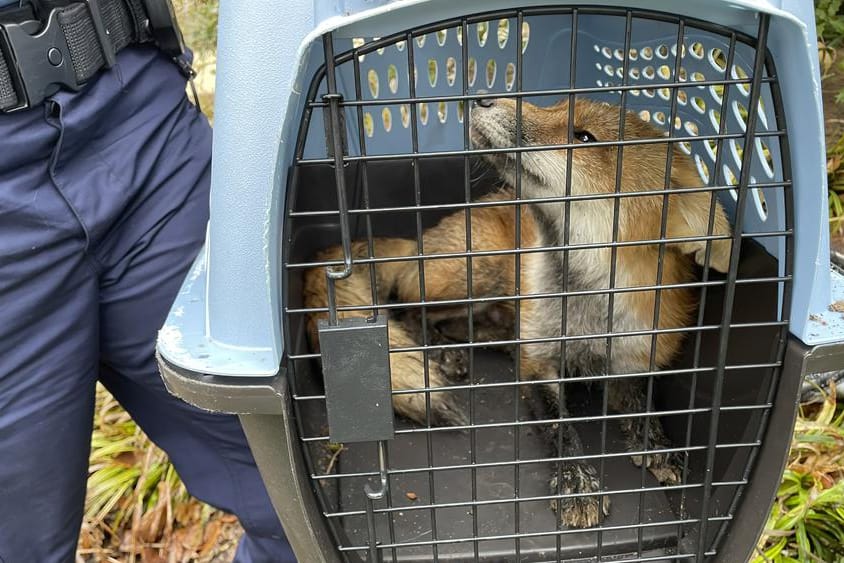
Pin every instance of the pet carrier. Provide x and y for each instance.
(369, 158)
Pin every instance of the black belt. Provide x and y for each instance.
(67, 44)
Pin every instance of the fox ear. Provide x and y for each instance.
(690, 218)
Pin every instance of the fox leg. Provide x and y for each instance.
(541, 361)
(407, 369)
(628, 396)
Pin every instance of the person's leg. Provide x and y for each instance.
(48, 350)
(143, 260)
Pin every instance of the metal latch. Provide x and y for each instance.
(356, 371)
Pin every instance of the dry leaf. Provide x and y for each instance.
(411, 495)
(212, 532)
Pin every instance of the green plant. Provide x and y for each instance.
(829, 19)
(806, 523)
(835, 181)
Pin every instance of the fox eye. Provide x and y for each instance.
(584, 136)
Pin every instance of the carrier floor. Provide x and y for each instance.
(498, 445)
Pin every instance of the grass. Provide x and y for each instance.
(806, 523)
(835, 181)
(137, 508)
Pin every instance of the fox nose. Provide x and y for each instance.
(484, 102)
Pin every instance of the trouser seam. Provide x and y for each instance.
(51, 172)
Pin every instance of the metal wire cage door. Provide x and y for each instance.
(386, 154)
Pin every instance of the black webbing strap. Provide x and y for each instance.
(92, 32)
(8, 96)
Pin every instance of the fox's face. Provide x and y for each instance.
(543, 172)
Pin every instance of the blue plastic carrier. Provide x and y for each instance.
(223, 344)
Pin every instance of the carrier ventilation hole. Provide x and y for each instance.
(659, 117)
(738, 73)
(420, 41)
(737, 151)
(442, 35)
(686, 147)
(372, 80)
(698, 77)
(635, 92)
(761, 114)
(450, 70)
(702, 169)
(731, 180)
(684, 76)
(715, 119)
(682, 97)
(503, 32)
(609, 70)
(717, 93)
(423, 113)
(393, 78)
(664, 72)
(356, 43)
(525, 35)
(648, 72)
(699, 104)
(645, 115)
(649, 92)
(400, 45)
(491, 68)
(692, 128)
(634, 54)
(664, 93)
(619, 72)
(483, 33)
(697, 50)
(678, 123)
(717, 59)
(387, 119)
(368, 124)
(765, 158)
(760, 201)
(619, 55)
(433, 70)
(635, 73)
(647, 53)
(460, 110)
(509, 76)
(458, 32)
(404, 111)
(662, 51)
(442, 111)
(711, 147)
(741, 114)
(607, 52)
(472, 71)
(382, 49)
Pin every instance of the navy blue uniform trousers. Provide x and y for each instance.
(103, 207)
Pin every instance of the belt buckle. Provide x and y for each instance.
(39, 63)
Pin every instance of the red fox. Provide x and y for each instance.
(588, 224)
